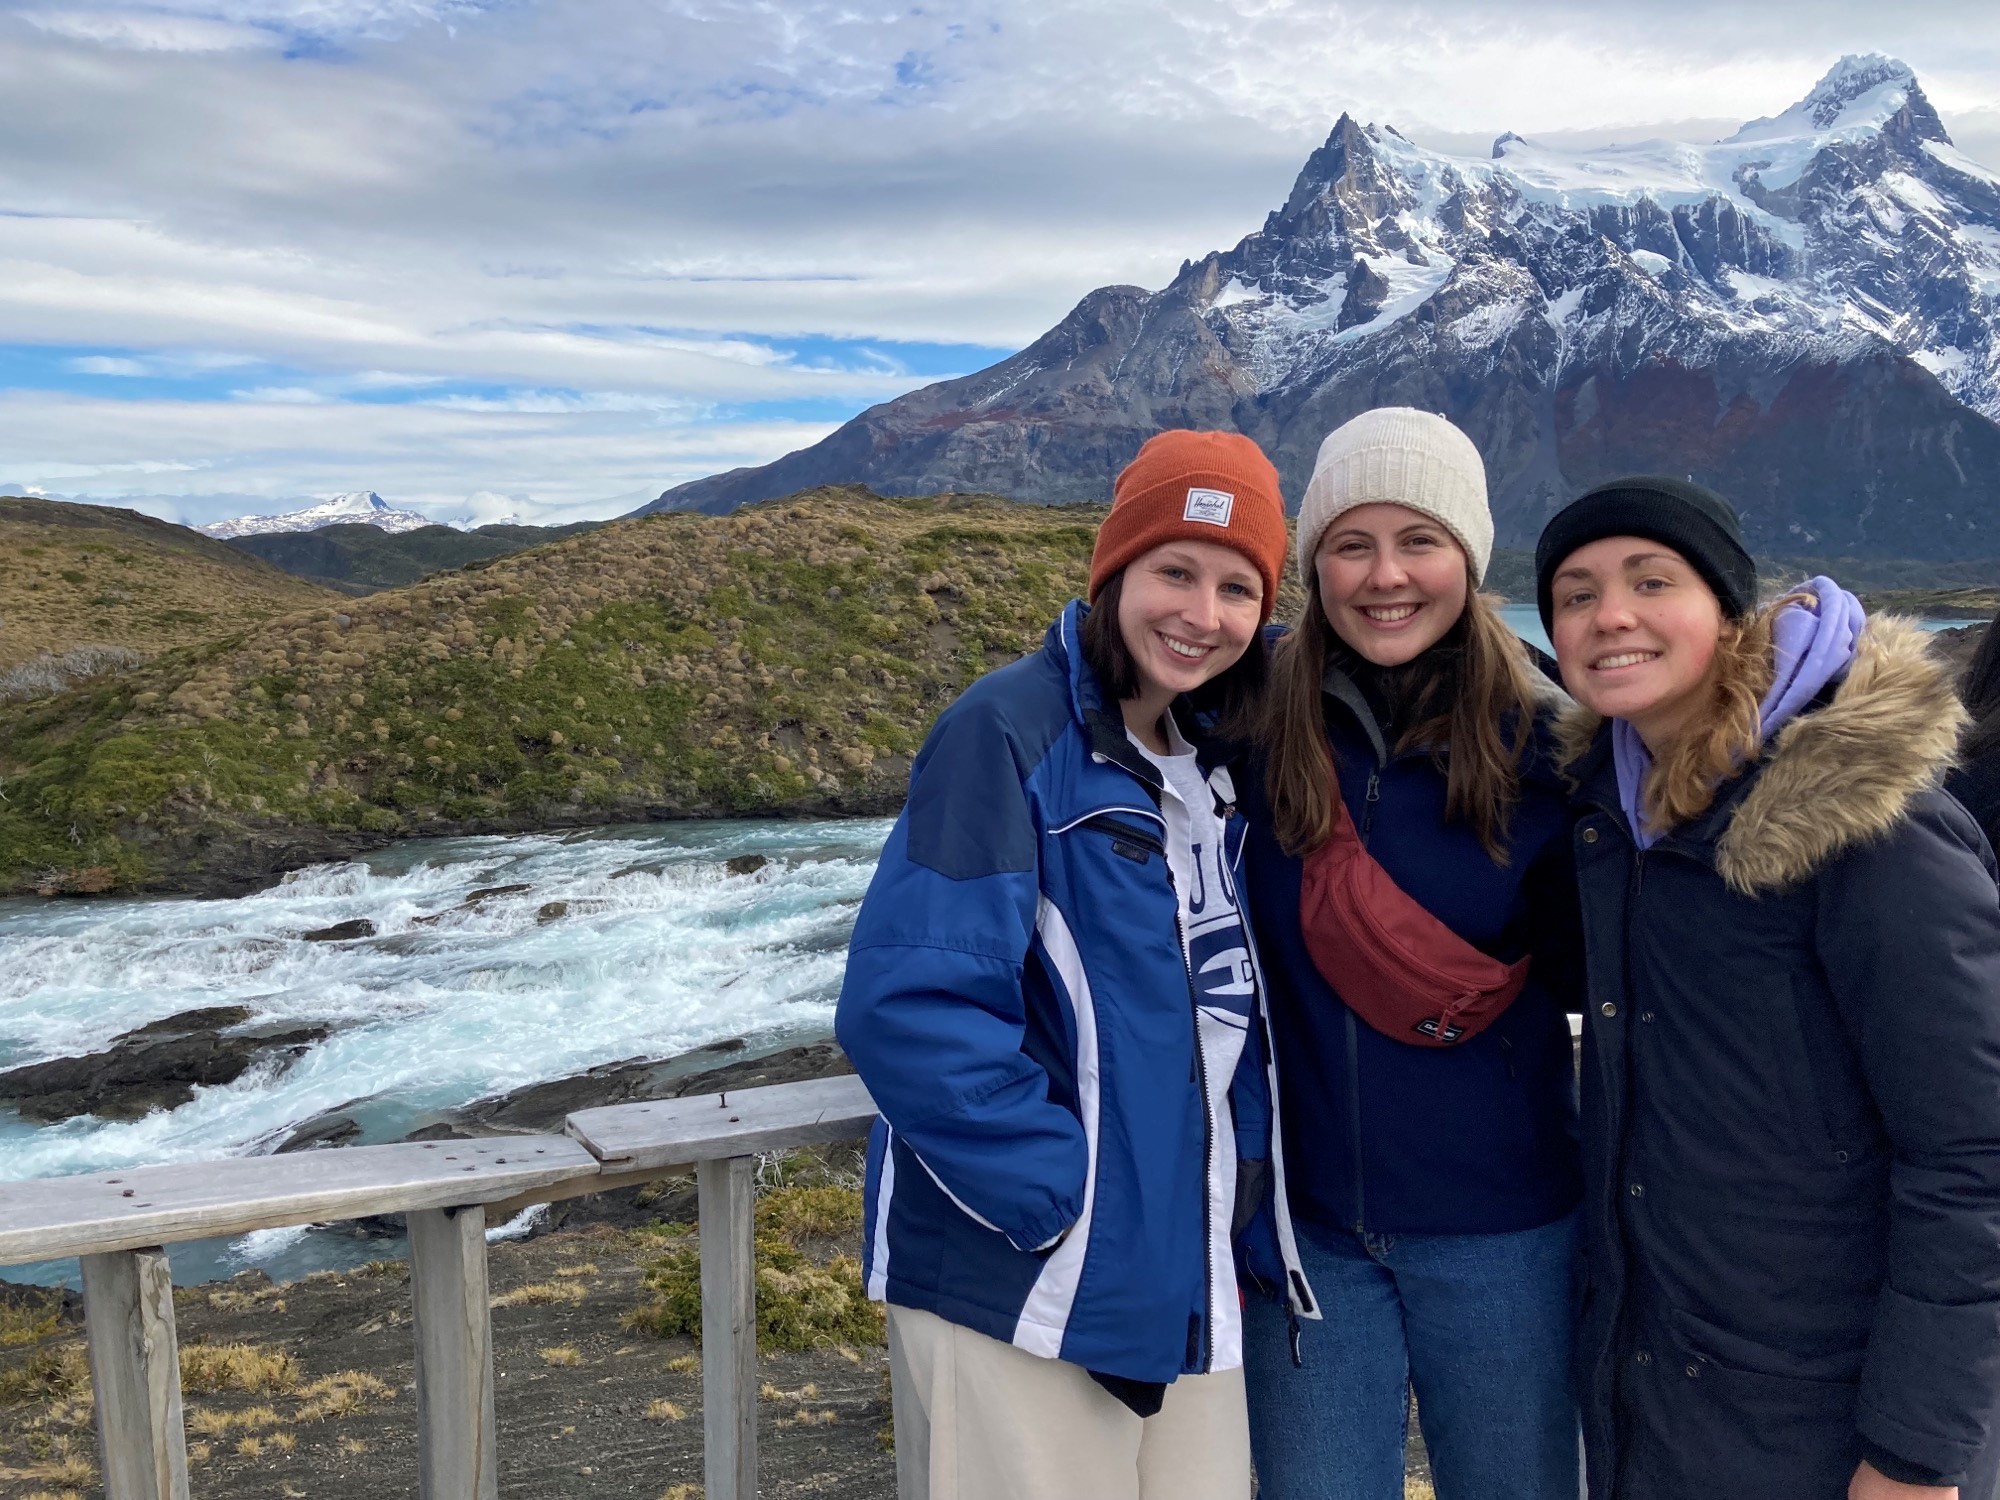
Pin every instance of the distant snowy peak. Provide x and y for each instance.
(1859, 95)
(1845, 219)
(359, 507)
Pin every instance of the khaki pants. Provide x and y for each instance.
(977, 1419)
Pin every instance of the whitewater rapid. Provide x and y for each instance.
(661, 950)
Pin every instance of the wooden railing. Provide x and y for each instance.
(118, 1223)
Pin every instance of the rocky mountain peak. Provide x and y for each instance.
(1727, 308)
(1860, 96)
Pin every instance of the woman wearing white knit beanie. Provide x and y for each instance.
(1405, 862)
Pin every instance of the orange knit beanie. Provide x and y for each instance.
(1195, 487)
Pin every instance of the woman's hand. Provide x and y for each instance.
(1870, 1483)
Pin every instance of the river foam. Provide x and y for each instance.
(660, 950)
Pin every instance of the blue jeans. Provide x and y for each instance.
(1479, 1324)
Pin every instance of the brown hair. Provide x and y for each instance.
(1726, 735)
(1232, 694)
(1461, 694)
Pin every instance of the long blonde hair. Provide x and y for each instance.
(1726, 735)
(1463, 697)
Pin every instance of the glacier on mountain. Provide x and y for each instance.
(358, 507)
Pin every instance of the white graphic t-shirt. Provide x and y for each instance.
(1218, 955)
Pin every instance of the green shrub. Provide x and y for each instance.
(800, 1305)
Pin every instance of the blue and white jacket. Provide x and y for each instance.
(1019, 1002)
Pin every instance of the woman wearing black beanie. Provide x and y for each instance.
(1791, 1051)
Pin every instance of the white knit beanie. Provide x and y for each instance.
(1397, 455)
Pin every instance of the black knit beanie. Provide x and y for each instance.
(1697, 523)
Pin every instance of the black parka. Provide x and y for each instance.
(1791, 1111)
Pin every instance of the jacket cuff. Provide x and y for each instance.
(1927, 1385)
(1891, 1466)
(1040, 1238)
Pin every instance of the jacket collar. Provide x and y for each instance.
(1104, 726)
(1842, 773)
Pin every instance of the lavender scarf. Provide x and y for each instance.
(1812, 644)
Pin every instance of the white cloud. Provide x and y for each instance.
(611, 219)
(214, 459)
(102, 364)
(149, 31)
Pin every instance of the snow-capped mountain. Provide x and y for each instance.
(1806, 315)
(358, 508)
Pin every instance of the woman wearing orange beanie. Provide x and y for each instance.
(1052, 996)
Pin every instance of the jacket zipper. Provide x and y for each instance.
(1369, 798)
(1200, 1081)
(1198, 1327)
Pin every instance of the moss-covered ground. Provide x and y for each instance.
(96, 576)
(784, 659)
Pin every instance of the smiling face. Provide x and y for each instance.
(1392, 581)
(1187, 611)
(1635, 631)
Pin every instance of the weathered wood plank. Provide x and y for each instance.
(58, 1216)
(728, 1328)
(456, 1447)
(581, 1187)
(707, 1127)
(135, 1372)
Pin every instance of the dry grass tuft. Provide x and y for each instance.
(249, 1368)
(684, 1364)
(56, 1374)
(562, 1355)
(30, 1319)
(825, 1417)
(67, 1462)
(588, 1268)
(664, 1410)
(345, 1394)
(544, 1294)
(206, 1421)
(352, 1447)
(681, 1492)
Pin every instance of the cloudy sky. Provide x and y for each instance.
(519, 256)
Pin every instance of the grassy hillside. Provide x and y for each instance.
(361, 559)
(785, 658)
(74, 577)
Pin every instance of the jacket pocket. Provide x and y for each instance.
(1809, 1380)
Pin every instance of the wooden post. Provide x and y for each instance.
(456, 1454)
(728, 1329)
(135, 1370)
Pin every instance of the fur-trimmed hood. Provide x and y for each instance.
(1839, 775)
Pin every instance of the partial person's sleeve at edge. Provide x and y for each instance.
(1909, 937)
(931, 1010)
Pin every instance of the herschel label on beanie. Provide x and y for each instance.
(1209, 506)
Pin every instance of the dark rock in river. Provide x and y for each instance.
(551, 911)
(323, 1130)
(341, 932)
(542, 1107)
(158, 1066)
(746, 864)
(488, 893)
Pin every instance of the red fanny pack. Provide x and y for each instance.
(1398, 967)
